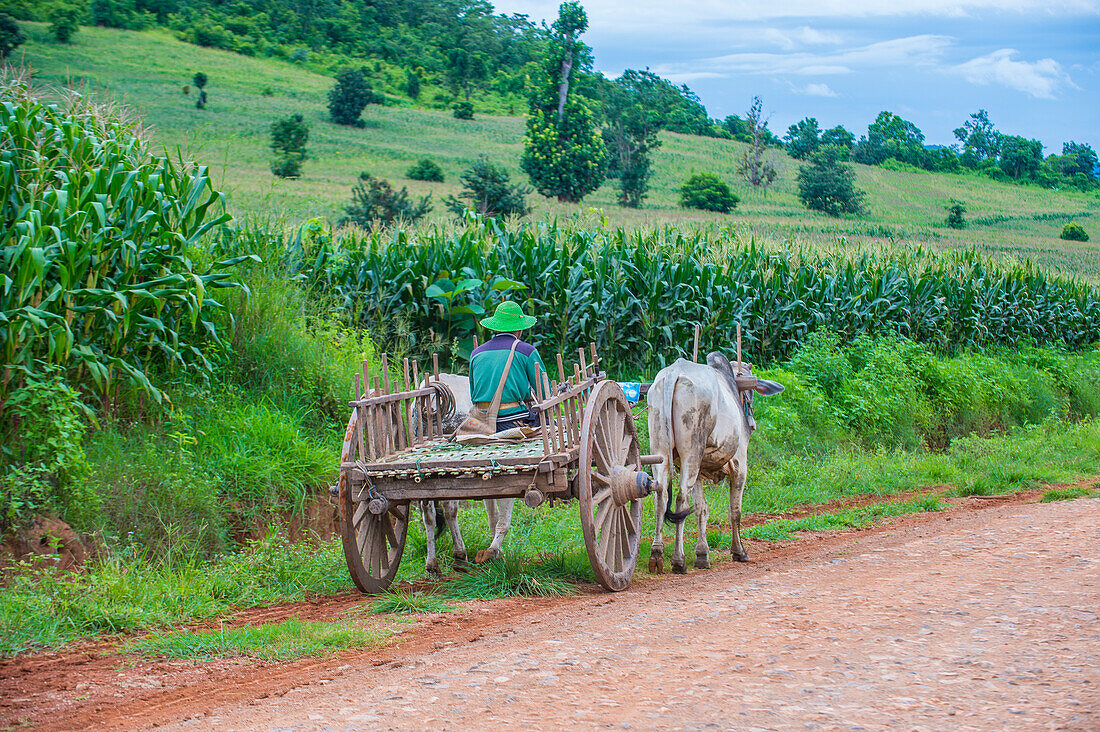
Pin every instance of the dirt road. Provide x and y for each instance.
(984, 620)
(980, 617)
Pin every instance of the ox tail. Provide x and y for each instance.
(676, 517)
(670, 515)
(440, 521)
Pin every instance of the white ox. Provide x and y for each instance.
(499, 510)
(699, 421)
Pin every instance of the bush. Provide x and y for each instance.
(64, 22)
(486, 188)
(955, 211)
(708, 192)
(426, 169)
(288, 139)
(200, 80)
(11, 36)
(828, 185)
(1074, 232)
(463, 110)
(374, 201)
(349, 96)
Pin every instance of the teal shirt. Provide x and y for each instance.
(487, 366)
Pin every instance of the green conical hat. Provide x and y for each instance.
(508, 317)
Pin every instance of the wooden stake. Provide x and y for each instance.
(561, 371)
(424, 422)
(366, 379)
(388, 442)
(559, 416)
(695, 349)
(595, 358)
(738, 350)
(583, 363)
(411, 433)
(435, 365)
(359, 421)
(542, 416)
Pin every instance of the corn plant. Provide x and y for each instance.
(101, 268)
(639, 295)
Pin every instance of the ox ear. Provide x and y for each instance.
(768, 388)
(719, 361)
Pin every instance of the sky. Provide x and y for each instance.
(1033, 64)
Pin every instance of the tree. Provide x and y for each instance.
(707, 192)
(11, 37)
(1020, 157)
(753, 166)
(487, 189)
(426, 169)
(465, 68)
(839, 137)
(828, 185)
(802, 138)
(955, 211)
(200, 79)
(890, 136)
(1079, 157)
(412, 84)
(349, 96)
(563, 155)
(374, 202)
(979, 138)
(288, 139)
(634, 116)
(463, 110)
(64, 22)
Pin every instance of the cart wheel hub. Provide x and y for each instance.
(629, 485)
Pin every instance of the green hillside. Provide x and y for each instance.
(149, 70)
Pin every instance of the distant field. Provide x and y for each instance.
(149, 69)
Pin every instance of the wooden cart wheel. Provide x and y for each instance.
(612, 528)
(373, 543)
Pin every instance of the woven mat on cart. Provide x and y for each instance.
(441, 457)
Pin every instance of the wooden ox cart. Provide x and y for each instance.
(395, 452)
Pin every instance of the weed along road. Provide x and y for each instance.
(967, 619)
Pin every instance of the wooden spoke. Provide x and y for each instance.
(628, 523)
(600, 477)
(360, 510)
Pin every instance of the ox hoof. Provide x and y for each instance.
(680, 567)
(487, 555)
(656, 564)
(740, 556)
(460, 563)
(432, 568)
(702, 561)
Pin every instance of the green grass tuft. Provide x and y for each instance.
(283, 641)
(406, 603)
(513, 576)
(1068, 494)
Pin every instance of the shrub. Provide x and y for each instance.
(64, 22)
(828, 185)
(349, 96)
(486, 188)
(374, 201)
(708, 192)
(1074, 232)
(288, 139)
(11, 36)
(463, 110)
(955, 211)
(200, 80)
(426, 169)
(412, 84)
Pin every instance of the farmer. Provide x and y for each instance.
(490, 361)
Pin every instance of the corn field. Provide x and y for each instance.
(639, 295)
(100, 272)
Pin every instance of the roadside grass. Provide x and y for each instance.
(285, 641)
(398, 602)
(516, 575)
(148, 70)
(1068, 494)
(781, 529)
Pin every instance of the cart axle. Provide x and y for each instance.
(629, 485)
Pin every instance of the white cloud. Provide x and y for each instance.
(816, 90)
(804, 35)
(1041, 79)
(921, 50)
